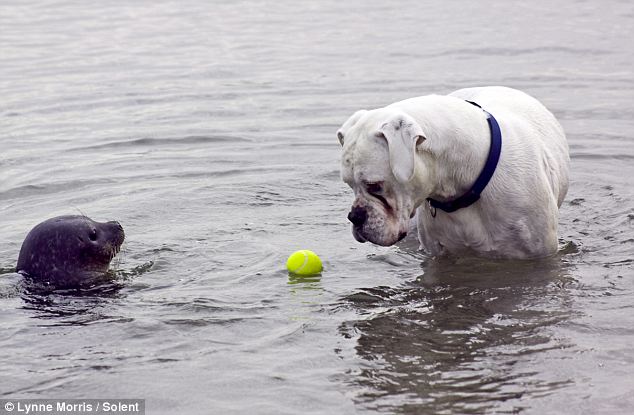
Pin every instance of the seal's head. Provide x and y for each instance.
(69, 251)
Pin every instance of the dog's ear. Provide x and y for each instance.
(341, 133)
(403, 134)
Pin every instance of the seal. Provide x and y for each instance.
(69, 251)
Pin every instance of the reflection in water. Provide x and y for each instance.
(71, 307)
(460, 337)
(77, 306)
(306, 292)
(308, 282)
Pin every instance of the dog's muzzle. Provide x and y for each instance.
(358, 216)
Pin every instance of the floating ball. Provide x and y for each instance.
(304, 262)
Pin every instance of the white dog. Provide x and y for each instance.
(436, 157)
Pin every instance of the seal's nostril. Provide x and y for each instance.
(358, 216)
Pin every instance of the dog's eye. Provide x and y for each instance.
(374, 188)
(376, 191)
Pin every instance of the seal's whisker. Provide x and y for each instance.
(81, 213)
(117, 262)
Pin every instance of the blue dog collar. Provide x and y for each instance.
(473, 194)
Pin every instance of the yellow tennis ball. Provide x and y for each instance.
(304, 262)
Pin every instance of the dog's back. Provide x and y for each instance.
(510, 102)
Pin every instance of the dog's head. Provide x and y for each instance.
(380, 163)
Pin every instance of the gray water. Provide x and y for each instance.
(208, 130)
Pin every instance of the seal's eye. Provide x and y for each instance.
(93, 234)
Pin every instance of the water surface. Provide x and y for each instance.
(208, 130)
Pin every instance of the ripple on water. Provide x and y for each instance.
(461, 336)
(151, 142)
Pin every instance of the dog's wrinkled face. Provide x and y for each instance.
(378, 163)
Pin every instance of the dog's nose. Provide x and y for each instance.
(358, 216)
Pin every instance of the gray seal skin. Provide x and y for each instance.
(69, 251)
